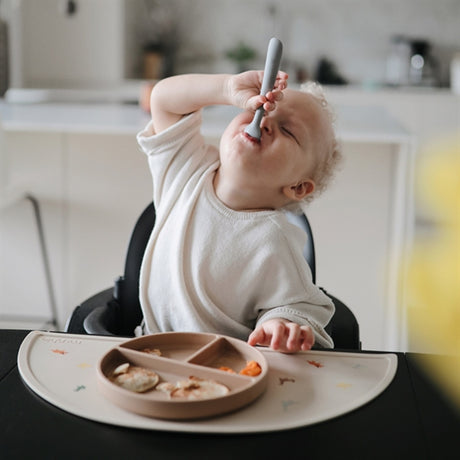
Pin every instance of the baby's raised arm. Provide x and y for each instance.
(174, 97)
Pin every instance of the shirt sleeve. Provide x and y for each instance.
(289, 290)
(313, 315)
(173, 154)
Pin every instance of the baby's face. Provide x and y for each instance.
(293, 136)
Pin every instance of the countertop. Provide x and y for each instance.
(354, 124)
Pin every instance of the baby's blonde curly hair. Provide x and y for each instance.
(326, 164)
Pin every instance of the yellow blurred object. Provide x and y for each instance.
(434, 269)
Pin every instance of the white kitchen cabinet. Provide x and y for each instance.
(91, 181)
(31, 163)
(428, 114)
(362, 225)
(91, 189)
(108, 185)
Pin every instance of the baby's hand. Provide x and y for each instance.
(243, 90)
(283, 335)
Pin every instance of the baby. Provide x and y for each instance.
(222, 256)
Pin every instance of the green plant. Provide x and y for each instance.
(241, 54)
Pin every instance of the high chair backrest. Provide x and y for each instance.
(126, 290)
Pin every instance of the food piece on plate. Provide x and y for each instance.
(194, 389)
(121, 369)
(152, 351)
(166, 387)
(227, 369)
(135, 378)
(252, 369)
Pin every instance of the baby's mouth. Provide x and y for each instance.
(250, 138)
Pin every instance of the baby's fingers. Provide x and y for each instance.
(255, 102)
(307, 338)
(257, 336)
(278, 336)
(281, 80)
(293, 341)
(299, 338)
(272, 98)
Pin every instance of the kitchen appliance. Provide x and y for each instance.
(397, 71)
(455, 73)
(422, 66)
(411, 63)
(3, 57)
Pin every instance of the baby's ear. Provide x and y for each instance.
(300, 190)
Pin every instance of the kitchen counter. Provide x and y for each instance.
(354, 124)
(72, 118)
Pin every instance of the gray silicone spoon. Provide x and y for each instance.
(272, 64)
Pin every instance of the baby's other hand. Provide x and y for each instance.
(282, 335)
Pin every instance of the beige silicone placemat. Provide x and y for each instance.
(303, 389)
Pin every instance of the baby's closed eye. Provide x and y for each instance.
(289, 132)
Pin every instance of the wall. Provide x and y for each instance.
(50, 48)
(355, 34)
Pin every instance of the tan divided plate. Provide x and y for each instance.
(184, 355)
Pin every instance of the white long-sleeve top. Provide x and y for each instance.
(208, 268)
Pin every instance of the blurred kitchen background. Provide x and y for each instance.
(84, 43)
(72, 76)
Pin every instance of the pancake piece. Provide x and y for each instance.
(135, 378)
(194, 388)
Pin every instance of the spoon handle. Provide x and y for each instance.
(272, 65)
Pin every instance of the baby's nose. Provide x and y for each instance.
(266, 125)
